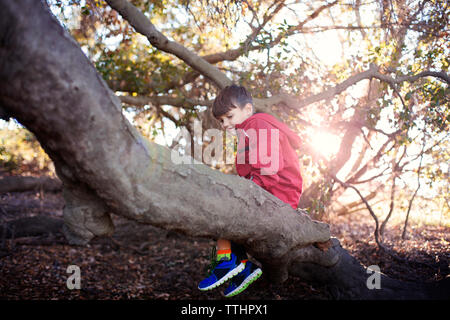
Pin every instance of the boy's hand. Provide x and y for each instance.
(323, 246)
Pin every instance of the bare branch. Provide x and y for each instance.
(358, 17)
(345, 209)
(374, 159)
(415, 192)
(364, 200)
(233, 54)
(418, 27)
(362, 152)
(391, 206)
(298, 27)
(441, 75)
(295, 103)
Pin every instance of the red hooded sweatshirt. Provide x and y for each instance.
(266, 155)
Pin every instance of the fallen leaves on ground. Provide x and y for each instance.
(144, 262)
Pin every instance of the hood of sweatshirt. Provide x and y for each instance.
(293, 138)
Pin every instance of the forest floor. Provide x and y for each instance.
(144, 262)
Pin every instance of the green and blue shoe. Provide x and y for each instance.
(223, 270)
(241, 281)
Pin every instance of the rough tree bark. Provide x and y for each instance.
(106, 167)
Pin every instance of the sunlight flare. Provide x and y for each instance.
(325, 143)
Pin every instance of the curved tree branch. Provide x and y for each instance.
(368, 206)
(415, 192)
(143, 25)
(296, 103)
(233, 54)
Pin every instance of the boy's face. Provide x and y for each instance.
(235, 116)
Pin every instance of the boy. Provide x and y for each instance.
(266, 155)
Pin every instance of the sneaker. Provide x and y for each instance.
(245, 278)
(223, 271)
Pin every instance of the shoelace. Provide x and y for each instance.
(212, 261)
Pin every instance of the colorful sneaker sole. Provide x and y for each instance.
(225, 278)
(248, 281)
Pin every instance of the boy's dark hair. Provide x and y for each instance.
(231, 97)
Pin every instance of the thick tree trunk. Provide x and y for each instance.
(107, 167)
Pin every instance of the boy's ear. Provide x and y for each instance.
(249, 108)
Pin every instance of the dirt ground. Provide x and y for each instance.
(144, 262)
